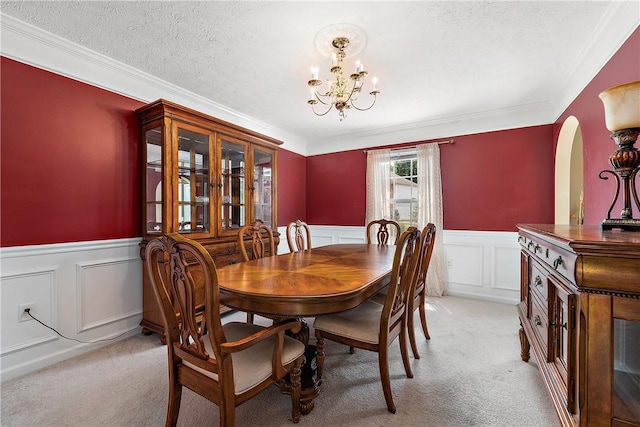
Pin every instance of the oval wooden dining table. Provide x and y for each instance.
(322, 280)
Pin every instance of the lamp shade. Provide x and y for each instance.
(622, 106)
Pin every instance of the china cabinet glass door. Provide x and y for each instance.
(192, 186)
(626, 363)
(232, 185)
(153, 180)
(262, 188)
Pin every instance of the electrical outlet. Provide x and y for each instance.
(22, 316)
(449, 263)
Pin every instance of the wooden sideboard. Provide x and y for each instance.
(580, 317)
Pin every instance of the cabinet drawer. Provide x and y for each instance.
(222, 260)
(539, 322)
(554, 258)
(538, 285)
(221, 249)
(561, 261)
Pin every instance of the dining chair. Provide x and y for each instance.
(226, 364)
(372, 326)
(419, 286)
(262, 245)
(384, 230)
(298, 236)
(262, 241)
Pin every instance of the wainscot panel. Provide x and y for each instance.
(87, 291)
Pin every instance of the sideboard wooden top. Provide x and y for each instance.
(585, 238)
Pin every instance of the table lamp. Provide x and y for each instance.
(622, 118)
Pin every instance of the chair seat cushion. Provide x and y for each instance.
(253, 365)
(362, 323)
(381, 296)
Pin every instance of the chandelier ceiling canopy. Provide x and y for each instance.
(339, 42)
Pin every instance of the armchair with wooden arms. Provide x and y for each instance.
(372, 326)
(227, 364)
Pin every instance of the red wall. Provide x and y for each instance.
(70, 166)
(490, 181)
(623, 67)
(495, 180)
(336, 188)
(292, 187)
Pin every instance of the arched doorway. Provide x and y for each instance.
(568, 174)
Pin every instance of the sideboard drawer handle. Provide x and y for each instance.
(537, 281)
(558, 262)
(537, 320)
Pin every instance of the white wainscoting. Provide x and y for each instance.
(480, 264)
(87, 291)
(93, 290)
(483, 265)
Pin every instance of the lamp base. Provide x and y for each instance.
(623, 224)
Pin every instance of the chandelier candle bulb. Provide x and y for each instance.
(314, 73)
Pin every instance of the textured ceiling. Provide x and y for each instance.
(440, 60)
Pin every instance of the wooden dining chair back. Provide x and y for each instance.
(227, 364)
(386, 232)
(262, 243)
(418, 300)
(298, 236)
(372, 326)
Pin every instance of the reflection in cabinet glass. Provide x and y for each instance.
(626, 374)
(153, 139)
(193, 182)
(232, 181)
(262, 189)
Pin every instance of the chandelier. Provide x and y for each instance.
(342, 92)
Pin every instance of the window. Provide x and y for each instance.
(404, 187)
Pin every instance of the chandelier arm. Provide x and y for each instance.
(323, 114)
(321, 101)
(353, 89)
(365, 109)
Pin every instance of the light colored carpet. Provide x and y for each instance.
(470, 374)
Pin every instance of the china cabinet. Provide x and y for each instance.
(203, 178)
(580, 316)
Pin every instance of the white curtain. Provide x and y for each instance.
(430, 210)
(378, 185)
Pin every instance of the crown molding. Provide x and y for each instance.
(525, 115)
(31, 45)
(615, 27)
